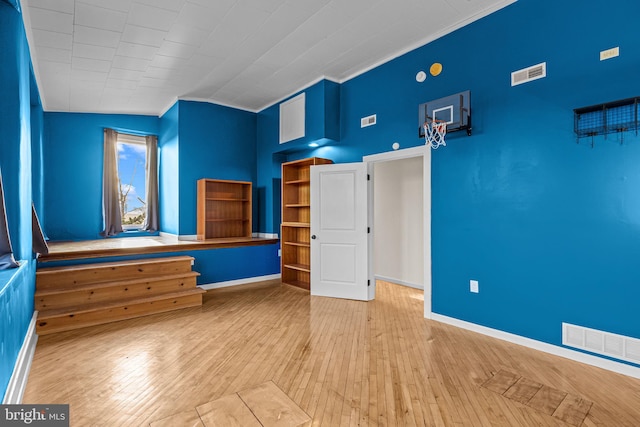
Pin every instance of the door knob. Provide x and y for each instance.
(313, 237)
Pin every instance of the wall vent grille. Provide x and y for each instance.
(368, 121)
(525, 75)
(600, 342)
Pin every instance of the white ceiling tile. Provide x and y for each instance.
(177, 50)
(186, 34)
(174, 5)
(95, 36)
(203, 62)
(204, 18)
(78, 76)
(142, 35)
(239, 23)
(119, 5)
(121, 84)
(136, 50)
(266, 5)
(50, 20)
(54, 55)
(90, 64)
(151, 17)
(159, 73)
(128, 63)
(163, 61)
(99, 17)
(122, 74)
(52, 39)
(54, 69)
(65, 6)
(151, 82)
(93, 52)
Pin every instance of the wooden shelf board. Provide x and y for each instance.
(226, 199)
(298, 181)
(296, 224)
(298, 284)
(301, 244)
(299, 267)
(226, 219)
(297, 205)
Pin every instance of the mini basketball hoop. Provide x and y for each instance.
(434, 132)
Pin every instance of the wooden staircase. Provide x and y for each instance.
(77, 296)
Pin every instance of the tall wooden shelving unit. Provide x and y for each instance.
(296, 217)
(224, 209)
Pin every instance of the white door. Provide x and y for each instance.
(339, 252)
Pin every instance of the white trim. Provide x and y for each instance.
(168, 107)
(267, 235)
(188, 237)
(18, 381)
(610, 365)
(398, 282)
(405, 153)
(213, 101)
(295, 92)
(168, 235)
(238, 282)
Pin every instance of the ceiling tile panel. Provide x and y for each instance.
(52, 39)
(43, 19)
(90, 64)
(201, 17)
(128, 63)
(121, 84)
(97, 78)
(119, 5)
(174, 5)
(186, 34)
(93, 52)
(65, 6)
(122, 74)
(177, 50)
(143, 15)
(134, 50)
(163, 61)
(95, 36)
(142, 35)
(100, 17)
(53, 55)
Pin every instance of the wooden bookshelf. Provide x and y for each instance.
(224, 209)
(296, 217)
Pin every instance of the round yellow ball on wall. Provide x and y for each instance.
(436, 68)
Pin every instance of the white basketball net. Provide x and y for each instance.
(434, 132)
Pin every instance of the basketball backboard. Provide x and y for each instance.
(455, 110)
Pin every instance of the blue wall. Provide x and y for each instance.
(215, 142)
(16, 285)
(169, 176)
(73, 156)
(549, 228)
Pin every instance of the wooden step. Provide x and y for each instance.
(105, 292)
(69, 276)
(50, 321)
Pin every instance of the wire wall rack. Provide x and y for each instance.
(602, 119)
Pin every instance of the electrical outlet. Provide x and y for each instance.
(609, 53)
(473, 286)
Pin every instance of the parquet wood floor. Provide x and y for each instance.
(342, 362)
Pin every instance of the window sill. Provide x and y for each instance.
(136, 233)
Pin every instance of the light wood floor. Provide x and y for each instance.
(342, 362)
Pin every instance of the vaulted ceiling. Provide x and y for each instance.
(139, 56)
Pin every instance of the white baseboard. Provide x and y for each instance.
(238, 282)
(168, 235)
(18, 381)
(188, 237)
(398, 282)
(610, 365)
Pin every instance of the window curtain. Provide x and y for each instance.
(6, 251)
(110, 191)
(151, 190)
(38, 240)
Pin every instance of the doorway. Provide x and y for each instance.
(400, 215)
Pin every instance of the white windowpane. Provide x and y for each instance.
(132, 178)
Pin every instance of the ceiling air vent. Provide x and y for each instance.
(525, 75)
(368, 121)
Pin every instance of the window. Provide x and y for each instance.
(132, 154)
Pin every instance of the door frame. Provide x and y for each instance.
(420, 151)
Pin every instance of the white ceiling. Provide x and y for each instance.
(139, 56)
